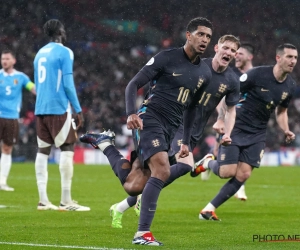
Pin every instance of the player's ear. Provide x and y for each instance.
(216, 48)
(188, 36)
(277, 58)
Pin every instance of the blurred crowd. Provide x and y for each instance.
(112, 41)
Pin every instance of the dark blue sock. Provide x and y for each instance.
(214, 166)
(149, 202)
(131, 200)
(116, 161)
(177, 170)
(228, 190)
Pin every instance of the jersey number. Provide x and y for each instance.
(8, 90)
(183, 95)
(205, 96)
(42, 70)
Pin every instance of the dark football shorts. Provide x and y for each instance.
(245, 147)
(152, 139)
(55, 129)
(177, 141)
(9, 131)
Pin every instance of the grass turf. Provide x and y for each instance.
(272, 209)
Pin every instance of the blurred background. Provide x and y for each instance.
(113, 39)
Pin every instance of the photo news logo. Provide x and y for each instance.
(275, 238)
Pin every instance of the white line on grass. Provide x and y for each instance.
(58, 246)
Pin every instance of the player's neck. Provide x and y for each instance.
(279, 74)
(56, 40)
(9, 71)
(245, 68)
(217, 67)
(193, 57)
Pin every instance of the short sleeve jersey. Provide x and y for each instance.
(221, 84)
(11, 86)
(261, 94)
(175, 82)
(51, 64)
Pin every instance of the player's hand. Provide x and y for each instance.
(219, 126)
(134, 122)
(79, 120)
(184, 151)
(289, 136)
(225, 140)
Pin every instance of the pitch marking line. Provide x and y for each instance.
(58, 246)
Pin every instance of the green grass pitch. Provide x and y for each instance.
(272, 208)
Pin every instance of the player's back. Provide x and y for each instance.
(50, 64)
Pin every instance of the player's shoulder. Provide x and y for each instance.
(291, 81)
(19, 73)
(58, 49)
(231, 75)
(208, 62)
(259, 69)
(66, 50)
(171, 52)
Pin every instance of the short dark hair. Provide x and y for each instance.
(230, 38)
(8, 51)
(281, 47)
(249, 47)
(52, 27)
(198, 21)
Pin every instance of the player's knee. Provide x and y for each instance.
(242, 176)
(227, 172)
(6, 149)
(133, 189)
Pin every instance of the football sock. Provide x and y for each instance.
(102, 146)
(177, 170)
(228, 190)
(5, 165)
(149, 202)
(66, 169)
(214, 166)
(209, 207)
(116, 161)
(41, 172)
(126, 203)
(140, 233)
(131, 200)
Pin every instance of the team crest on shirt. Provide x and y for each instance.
(284, 95)
(222, 87)
(223, 156)
(155, 143)
(16, 81)
(200, 82)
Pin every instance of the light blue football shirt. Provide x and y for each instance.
(53, 76)
(11, 86)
